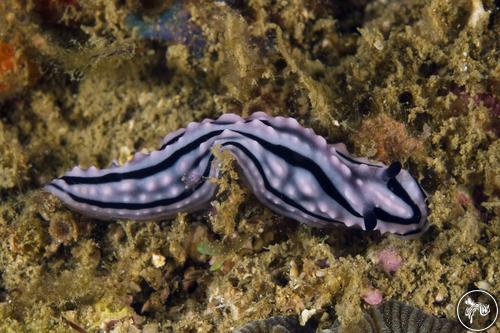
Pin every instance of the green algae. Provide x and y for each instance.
(393, 80)
(13, 163)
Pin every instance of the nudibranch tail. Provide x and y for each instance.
(289, 168)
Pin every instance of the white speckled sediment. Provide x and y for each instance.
(290, 169)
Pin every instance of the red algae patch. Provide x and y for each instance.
(7, 66)
(387, 139)
(16, 72)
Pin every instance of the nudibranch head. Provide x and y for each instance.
(400, 207)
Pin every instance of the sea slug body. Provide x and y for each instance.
(289, 169)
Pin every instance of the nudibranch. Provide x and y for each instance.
(289, 168)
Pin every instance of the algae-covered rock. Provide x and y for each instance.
(275, 324)
(13, 160)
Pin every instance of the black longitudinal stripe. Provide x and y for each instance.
(287, 130)
(304, 162)
(271, 189)
(172, 141)
(413, 232)
(346, 157)
(394, 186)
(176, 138)
(137, 206)
(419, 187)
(214, 122)
(352, 160)
(281, 128)
(145, 172)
